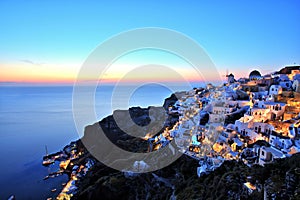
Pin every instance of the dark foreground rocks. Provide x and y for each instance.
(279, 180)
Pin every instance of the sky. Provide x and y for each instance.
(48, 41)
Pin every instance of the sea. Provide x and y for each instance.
(35, 117)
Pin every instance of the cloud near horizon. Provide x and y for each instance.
(31, 62)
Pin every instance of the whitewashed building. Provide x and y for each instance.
(268, 154)
(260, 127)
(294, 130)
(296, 85)
(277, 109)
(275, 90)
(280, 142)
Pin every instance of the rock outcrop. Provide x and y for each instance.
(179, 180)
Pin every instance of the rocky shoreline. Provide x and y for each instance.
(74, 157)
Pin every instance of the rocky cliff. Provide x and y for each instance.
(179, 180)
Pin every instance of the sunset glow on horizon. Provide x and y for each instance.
(49, 75)
(48, 43)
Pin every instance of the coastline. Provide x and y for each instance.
(75, 154)
(204, 124)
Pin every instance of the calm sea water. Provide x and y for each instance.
(32, 117)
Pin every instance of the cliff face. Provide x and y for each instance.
(102, 181)
(139, 121)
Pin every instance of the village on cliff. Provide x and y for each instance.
(255, 120)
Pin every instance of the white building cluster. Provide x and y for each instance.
(254, 119)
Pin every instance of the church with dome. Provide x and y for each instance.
(255, 75)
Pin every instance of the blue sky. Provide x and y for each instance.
(237, 35)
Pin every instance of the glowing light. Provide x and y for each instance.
(250, 186)
(64, 164)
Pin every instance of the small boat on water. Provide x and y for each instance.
(46, 177)
(53, 190)
(48, 161)
(52, 175)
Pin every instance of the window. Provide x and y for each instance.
(262, 153)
